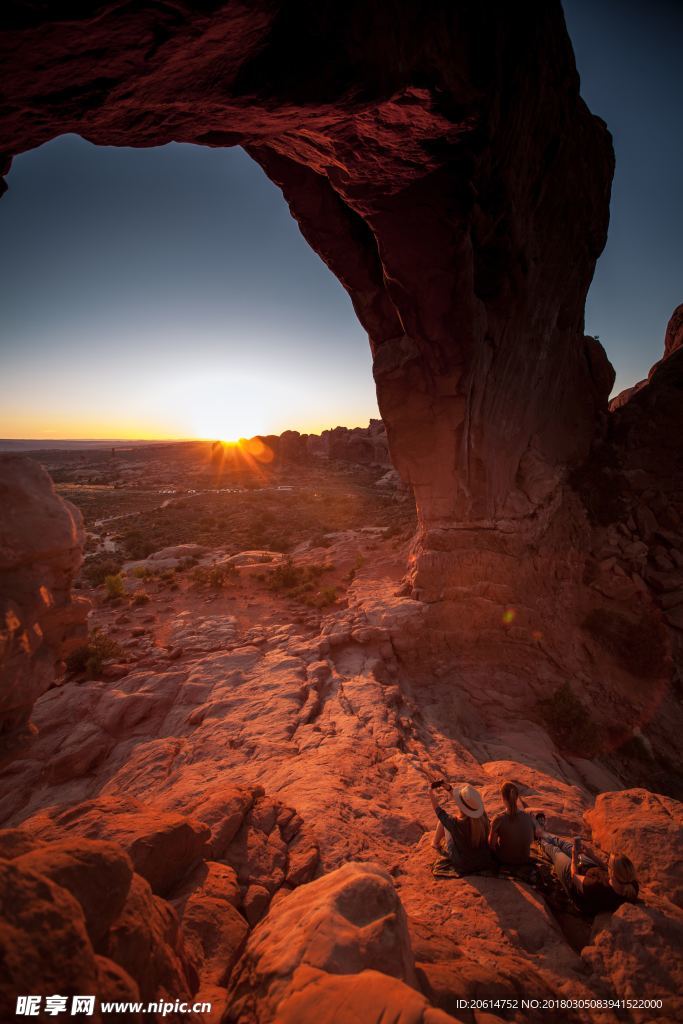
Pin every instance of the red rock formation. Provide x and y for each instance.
(41, 537)
(445, 168)
(345, 923)
(443, 165)
(363, 445)
(632, 487)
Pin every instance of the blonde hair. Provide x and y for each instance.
(622, 875)
(478, 829)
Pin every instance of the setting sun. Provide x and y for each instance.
(230, 410)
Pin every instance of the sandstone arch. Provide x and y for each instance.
(442, 163)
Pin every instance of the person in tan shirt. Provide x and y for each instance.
(512, 832)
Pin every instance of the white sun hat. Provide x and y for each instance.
(468, 800)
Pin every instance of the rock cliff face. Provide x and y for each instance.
(41, 539)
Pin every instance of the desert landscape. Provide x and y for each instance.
(230, 672)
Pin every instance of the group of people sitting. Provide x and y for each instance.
(474, 845)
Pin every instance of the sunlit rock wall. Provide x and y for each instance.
(41, 540)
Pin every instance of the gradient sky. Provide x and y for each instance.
(168, 293)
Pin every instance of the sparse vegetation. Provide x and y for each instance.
(569, 722)
(137, 545)
(90, 657)
(215, 576)
(113, 586)
(301, 583)
(97, 568)
(140, 597)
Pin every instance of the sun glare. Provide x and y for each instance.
(229, 413)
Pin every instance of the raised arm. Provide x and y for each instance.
(575, 876)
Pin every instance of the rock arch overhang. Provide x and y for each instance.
(441, 161)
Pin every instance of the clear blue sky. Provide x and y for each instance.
(130, 278)
(630, 58)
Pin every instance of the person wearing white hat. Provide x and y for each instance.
(466, 834)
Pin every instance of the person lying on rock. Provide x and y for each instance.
(466, 833)
(512, 832)
(593, 885)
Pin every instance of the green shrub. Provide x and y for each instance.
(90, 657)
(569, 722)
(139, 598)
(96, 569)
(113, 586)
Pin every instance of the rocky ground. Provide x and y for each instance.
(224, 793)
(224, 798)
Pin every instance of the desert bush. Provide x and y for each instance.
(113, 586)
(90, 657)
(137, 546)
(215, 576)
(286, 576)
(96, 569)
(142, 572)
(569, 722)
(301, 582)
(140, 597)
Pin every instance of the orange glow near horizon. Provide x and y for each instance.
(36, 429)
(250, 454)
(197, 405)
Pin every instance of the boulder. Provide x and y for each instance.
(145, 941)
(348, 921)
(648, 828)
(162, 846)
(44, 945)
(96, 873)
(317, 997)
(214, 933)
(637, 952)
(41, 541)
